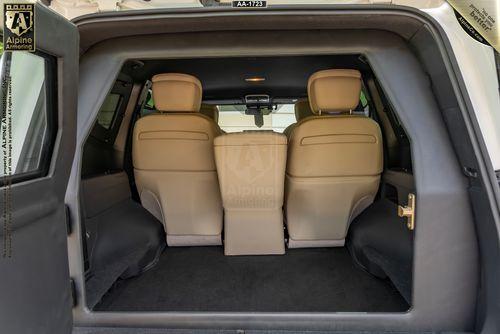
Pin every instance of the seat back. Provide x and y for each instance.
(174, 165)
(302, 110)
(334, 162)
(251, 168)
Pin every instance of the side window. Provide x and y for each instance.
(363, 100)
(108, 110)
(363, 107)
(149, 105)
(28, 114)
(111, 112)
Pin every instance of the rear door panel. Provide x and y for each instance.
(35, 288)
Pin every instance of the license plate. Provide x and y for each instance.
(249, 4)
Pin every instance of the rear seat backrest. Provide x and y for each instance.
(334, 162)
(174, 165)
(251, 168)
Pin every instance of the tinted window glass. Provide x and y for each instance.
(149, 105)
(28, 113)
(108, 110)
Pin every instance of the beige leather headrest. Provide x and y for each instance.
(334, 90)
(176, 92)
(210, 110)
(302, 109)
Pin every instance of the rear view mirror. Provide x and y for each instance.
(257, 113)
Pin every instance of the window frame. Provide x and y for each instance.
(52, 125)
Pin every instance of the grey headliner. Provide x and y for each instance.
(285, 77)
(445, 278)
(96, 28)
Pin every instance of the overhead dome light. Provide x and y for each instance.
(255, 79)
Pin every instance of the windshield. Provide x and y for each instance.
(232, 118)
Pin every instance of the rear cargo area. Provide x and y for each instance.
(302, 280)
(134, 270)
(231, 200)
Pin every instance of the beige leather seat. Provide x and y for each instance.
(251, 168)
(211, 111)
(334, 162)
(174, 164)
(302, 110)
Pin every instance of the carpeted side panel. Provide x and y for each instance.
(380, 242)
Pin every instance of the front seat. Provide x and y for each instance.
(334, 162)
(174, 164)
(302, 110)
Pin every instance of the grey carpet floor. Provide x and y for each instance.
(302, 280)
